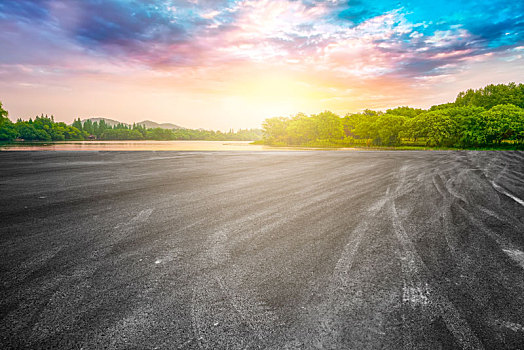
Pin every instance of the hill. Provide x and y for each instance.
(152, 125)
(110, 122)
(148, 124)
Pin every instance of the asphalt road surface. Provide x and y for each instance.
(269, 250)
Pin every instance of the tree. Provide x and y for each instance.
(3, 112)
(442, 106)
(96, 130)
(141, 129)
(88, 127)
(77, 123)
(28, 131)
(350, 123)
(364, 125)
(405, 111)
(161, 134)
(504, 122)
(434, 126)
(301, 129)
(469, 127)
(452, 126)
(102, 128)
(492, 95)
(122, 134)
(8, 131)
(388, 128)
(275, 129)
(328, 126)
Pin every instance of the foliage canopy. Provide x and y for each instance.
(489, 116)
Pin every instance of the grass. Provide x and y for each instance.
(363, 146)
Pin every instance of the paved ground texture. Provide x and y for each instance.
(276, 250)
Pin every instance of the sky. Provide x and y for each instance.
(220, 64)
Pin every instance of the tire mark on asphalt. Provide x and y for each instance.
(55, 292)
(516, 255)
(418, 293)
(327, 332)
(503, 218)
(507, 247)
(139, 218)
(494, 181)
(221, 291)
(195, 320)
(444, 213)
(320, 194)
(515, 327)
(506, 193)
(260, 314)
(451, 190)
(420, 297)
(79, 280)
(438, 182)
(415, 292)
(251, 311)
(224, 318)
(505, 244)
(75, 280)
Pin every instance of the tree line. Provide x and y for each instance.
(44, 128)
(493, 115)
(103, 131)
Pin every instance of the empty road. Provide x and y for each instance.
(262, 250)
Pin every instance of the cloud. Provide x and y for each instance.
(125, 24)
(29, 10)
(356, 38)
(508, 32)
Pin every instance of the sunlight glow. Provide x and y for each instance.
(181, 61)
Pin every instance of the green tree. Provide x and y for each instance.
(435, 127)
(28, 131)
(161, 134)
(492, 95)
(301, 129)
(350, 123)
(387, 129)
(88, 127)
(328, 126)
(141, 129)
(77, 123)
(452, 126)
(470, 129)
(121, 134)
(504, 122)
(365, 126)
(3, 112)
(274, 129)
(8, 131)
(405, 111)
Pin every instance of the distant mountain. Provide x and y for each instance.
(151, 125)
(111, 122)
(147, 123)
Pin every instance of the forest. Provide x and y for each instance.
(490, 116)
(44, 128)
